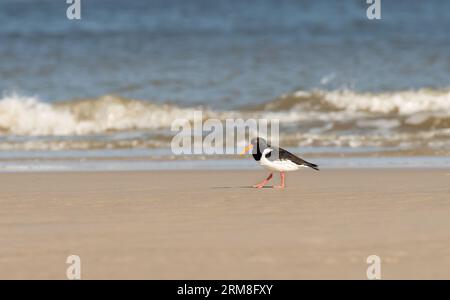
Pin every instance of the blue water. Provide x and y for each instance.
(222, 53)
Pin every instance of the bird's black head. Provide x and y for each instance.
(259, 144)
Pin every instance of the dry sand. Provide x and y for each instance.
(210, 225)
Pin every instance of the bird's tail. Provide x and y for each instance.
(313, 166)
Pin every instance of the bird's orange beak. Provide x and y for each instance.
(246, 149)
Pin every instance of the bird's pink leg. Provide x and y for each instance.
(281, 186)
(260, 185)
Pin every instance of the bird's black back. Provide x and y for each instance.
(281, 154)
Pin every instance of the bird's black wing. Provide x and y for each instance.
(282, 154)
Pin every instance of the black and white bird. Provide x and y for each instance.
(275, 159)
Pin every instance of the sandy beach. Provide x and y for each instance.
(211, 225)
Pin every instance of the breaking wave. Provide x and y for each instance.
(29, 116)
(417, 118)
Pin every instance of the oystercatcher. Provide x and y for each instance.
(275, 159)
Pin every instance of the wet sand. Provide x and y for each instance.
(211, 225)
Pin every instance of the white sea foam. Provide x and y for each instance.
(308, 118)
(29, 116)
(400, 102)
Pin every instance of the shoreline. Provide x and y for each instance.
(112, 164)
(211, 225)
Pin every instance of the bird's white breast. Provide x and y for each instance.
(278, 165)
